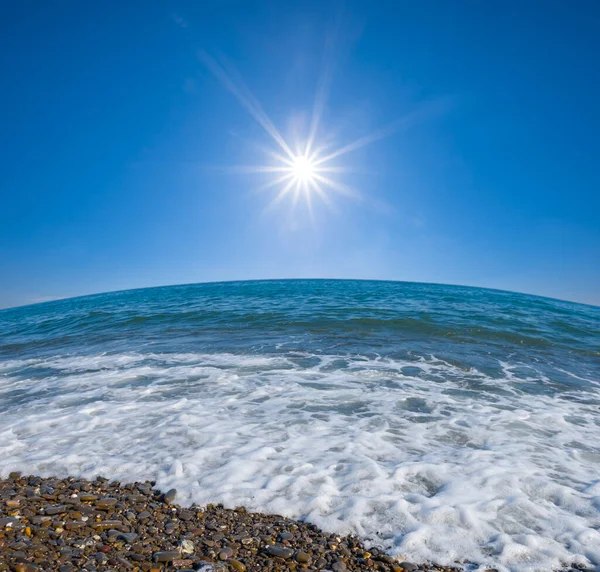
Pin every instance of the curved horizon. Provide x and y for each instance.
(188, 284)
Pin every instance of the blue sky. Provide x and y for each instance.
(119, 144)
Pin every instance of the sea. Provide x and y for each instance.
(441, 423)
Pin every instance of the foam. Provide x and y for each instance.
(406, 454)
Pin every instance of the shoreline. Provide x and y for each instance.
(69, 524)
(54, 524)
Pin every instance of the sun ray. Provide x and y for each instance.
(264, 149)
(320, 98)
(308, 197)
(280, 195)
(361, 142)
(258, 169)
(322, 194)
(324, 84)
(296, 194)
(390, 129)
(246, 99)
(336, 186)
(275, 182)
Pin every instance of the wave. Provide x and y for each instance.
(497, 478)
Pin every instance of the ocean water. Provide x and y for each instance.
(442, 423)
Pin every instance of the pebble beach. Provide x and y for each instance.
(73, 524)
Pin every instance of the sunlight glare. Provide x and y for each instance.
(303, 169)
(304, 172)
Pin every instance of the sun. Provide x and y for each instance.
(303, 169)
(304, 173)
(300, 168)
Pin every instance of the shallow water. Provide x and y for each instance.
(440, 422)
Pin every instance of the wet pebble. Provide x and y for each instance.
(279, 552)
(170, 495)
(166, 556)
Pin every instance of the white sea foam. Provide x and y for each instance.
(405, 454)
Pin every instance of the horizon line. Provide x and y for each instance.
(233, 281)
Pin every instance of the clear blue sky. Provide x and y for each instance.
(118, 143)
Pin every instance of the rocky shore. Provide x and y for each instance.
(49, 524)
(73, 524)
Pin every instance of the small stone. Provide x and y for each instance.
(167, 556)
(279, 552)
(303, 557)
(7, 522)
(384, 558)
(169, 496)
(106, 524)
(40, 519)
(408, 566)
(144, 515)
(186, 547)
(225, 553)
(105, 503)
(123, 562)
(15, 475)
(338, 566)
(129, 537)
(237, 565)
(56, 509)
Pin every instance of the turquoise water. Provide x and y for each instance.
(441, 422)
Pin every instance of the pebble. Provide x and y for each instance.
(50, 510)
(105, 503)
(166, 556)
(279, 552)
(170, 496)
(303, 558)
(225, 553)
(186, 546)
(128, 537)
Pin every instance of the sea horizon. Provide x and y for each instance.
(183, 284)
